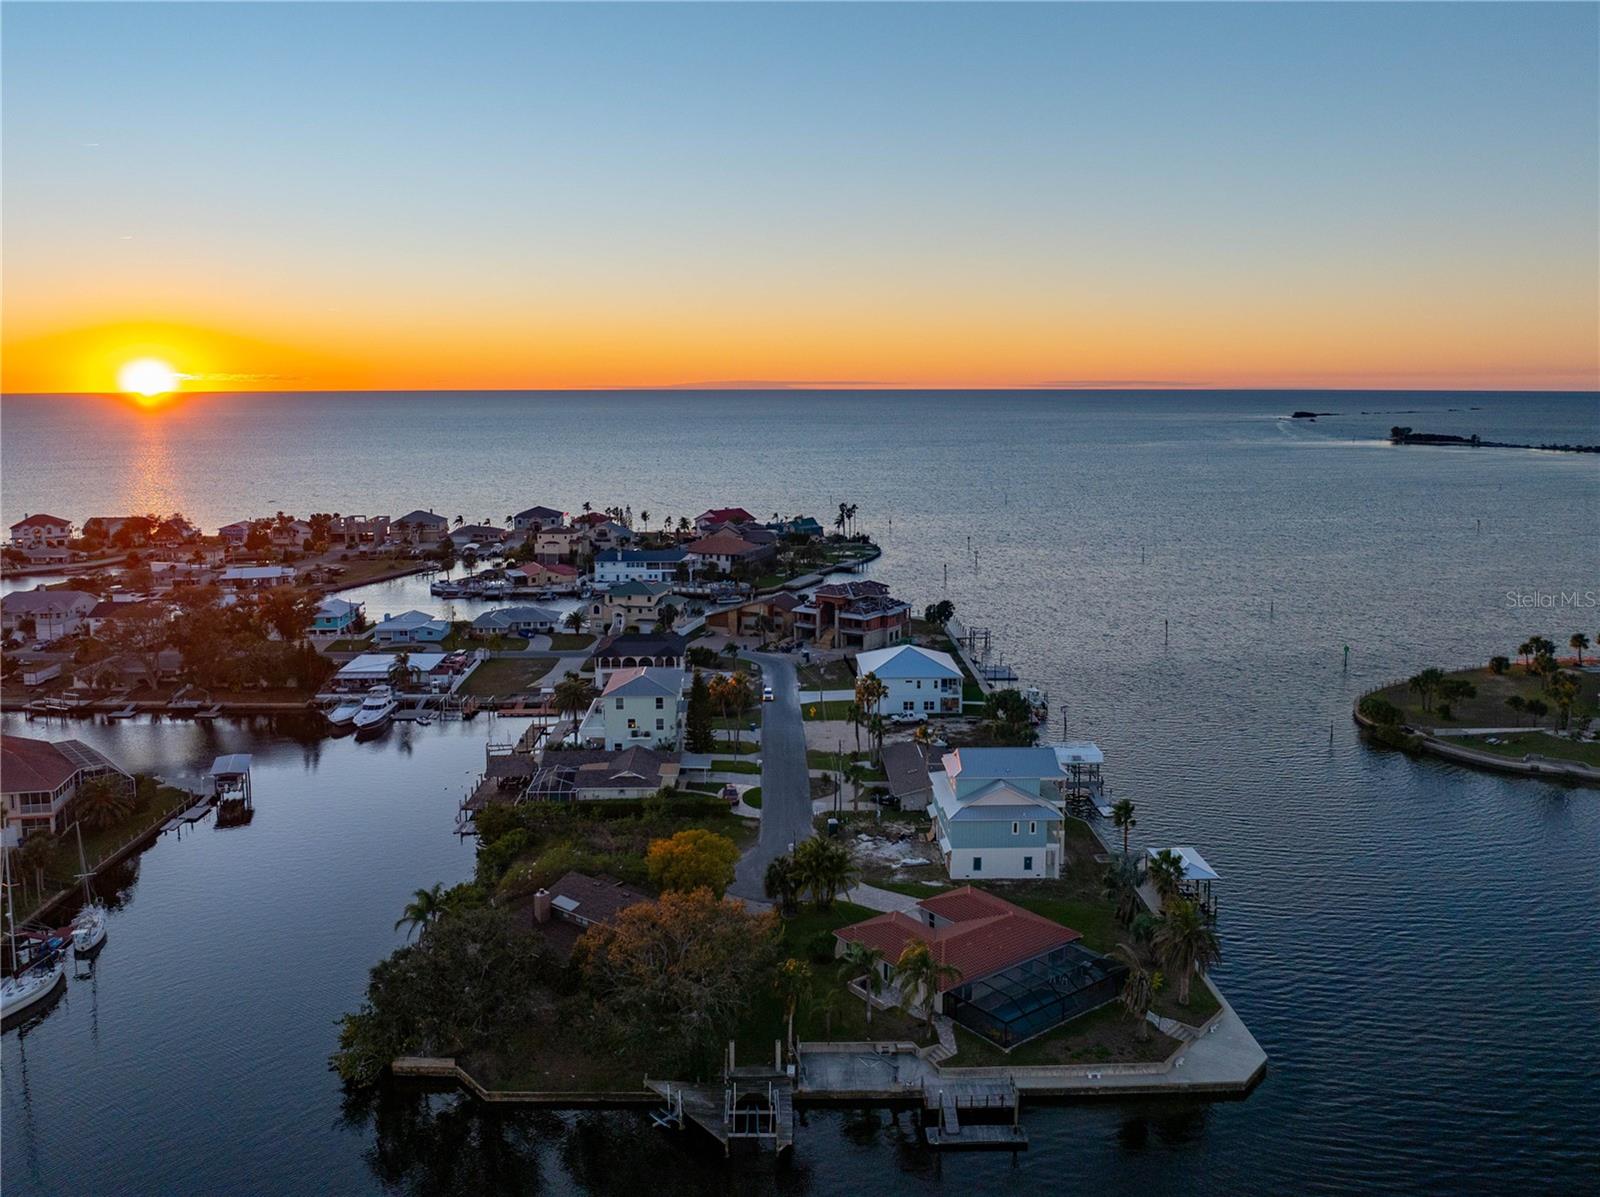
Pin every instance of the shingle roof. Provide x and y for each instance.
(22, 602)
(725, 515)
(28, 765)
(1003, 762)
(637, 644)
(595, 899)
(907, 768)
(537, 513)
(646, 680)
(422, 517)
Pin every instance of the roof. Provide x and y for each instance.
(636, 589)
(1035, 763)
(1195, 867)
(642, 644)
(244, 573)
(381, 663)
(504, 617)
(406, 620)
(111, 610)
(979, 934)
(422, 517)
(336, 606)
(908, 661)
(23, 602)
(645, 680)
(594, 899)
(231, 765)
(41, 521)
(538, 513)
(641, 556)
(725, 515)
(29, 766)
(852, 590)
(722, 544)
(533, 568)
(906, 766)
(1079, 752)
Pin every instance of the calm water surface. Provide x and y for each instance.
(1412, 943)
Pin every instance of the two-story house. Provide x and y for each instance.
(335, 617)
(637, 565)
(726, 549)
(45, 614)
(628, 604)
(920, 681)
(996, 812)
(537, 518)
(420, 527)
(41, 532)
(40, 779)
(855, 615)
(639, 707)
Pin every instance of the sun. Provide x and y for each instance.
(148, 377)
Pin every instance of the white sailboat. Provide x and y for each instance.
(30, 986)
(376, 709)
(89, 924)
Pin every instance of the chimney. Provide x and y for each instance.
(541, 906)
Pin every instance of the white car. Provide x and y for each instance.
(905, 717)
(766, 693)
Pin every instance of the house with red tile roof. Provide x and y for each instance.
(40, 779)
(726, 549)
(710, 521)
(41, 532)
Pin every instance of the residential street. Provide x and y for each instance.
(785, 780)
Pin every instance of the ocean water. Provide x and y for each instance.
(1411, 942)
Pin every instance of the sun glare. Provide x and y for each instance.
(147, 378)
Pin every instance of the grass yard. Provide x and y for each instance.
(1519, 744)
(1487, 708)
(836, 709)
(1102, 1036)
(826, 675)
(567, 642)
(1202, 1003)
(350, 644)
(737, 747)
(729, 765)
(504, 676)
(752, 797)
(546, 1057)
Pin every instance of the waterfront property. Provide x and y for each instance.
(544, 575)
(710, 521)
(584, 775)
(515, 621)
(410, 627)
(1014, 974)
(996, 812)
(432, 673)
(906, 766)
(537, 518)
(40, 779)
(920, 681)
(639, 705)
(335, 617)
(630, 649)
(726, 550)
(41, 532)
(257, 577)
(637, 565)
(576, 902)
(628, 605)
(854, 615)
(422, 527)
(768, 616)
(45, 614)
(554, 544)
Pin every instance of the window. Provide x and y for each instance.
(927, 706)
(661, 704)
(977, 864)
(619, 704)
(1027, 864)
(1033, 829)
(1015, 827)
(908, 705)
(661, 725)
(919, 684)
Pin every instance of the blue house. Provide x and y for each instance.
(335, 617)
(411, 627)
(997, 812)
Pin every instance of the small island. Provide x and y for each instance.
(1400, 434)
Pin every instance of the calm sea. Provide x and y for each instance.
(1412, 943)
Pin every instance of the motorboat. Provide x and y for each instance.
(447, 589)
(377, 708)
(89, 929)
(343, 713)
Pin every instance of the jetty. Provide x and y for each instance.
(944, 1102)
(750, 1104)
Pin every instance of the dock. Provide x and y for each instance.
(751, 1104)
(944, 1102)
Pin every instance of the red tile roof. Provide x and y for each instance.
(42, 521)
(722, 544)
(726, 515)
(985, 934)
(28, 765)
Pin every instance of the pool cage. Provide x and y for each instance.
(1029, 999)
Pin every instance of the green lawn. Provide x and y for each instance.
(1104, 1036)
(1519, 744)
(834, 709)
(350, 644)
(738, 747)
(503, 676)
(729, 765)
(1487, 708)
(828, 675)
(1202, 1003)
(752, 797)
(567, 642)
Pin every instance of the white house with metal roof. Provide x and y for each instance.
(997, 813)
(640, 707)
(921, 681)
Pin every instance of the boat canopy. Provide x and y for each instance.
(234, 764)
(1195, 867)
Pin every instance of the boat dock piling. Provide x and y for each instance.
(986, 1098)
(754, 1104)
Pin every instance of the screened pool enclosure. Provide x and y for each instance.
(1030, 998)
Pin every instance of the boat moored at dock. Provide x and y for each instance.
(377, 708)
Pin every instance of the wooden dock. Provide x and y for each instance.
(945, 1102)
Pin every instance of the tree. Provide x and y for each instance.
(34, 855)
(1499, 665)
(573, 621)
(1579, 642)
(781, 883)
(693, 859)
(870, 693)
(1186, 944)
(1120, 885)
(868, 962)
(1139, 987)
(1564, 693)
(141, 635)
(1166, 874)
(1518, 704)
(676, 975)
(400, 673)
(1379, 710)
(572, 697)
(1426, 685)
(825, 868)
(1009, 717)
(289, 611)
(666, 617)
(425, 906)
(1537, 708)
(939, 613)
(104, 801)
(791, 981)
(921, 974)
(698, 732)
(1122, 818)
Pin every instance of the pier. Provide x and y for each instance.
(753, 1104)
(945, 1101)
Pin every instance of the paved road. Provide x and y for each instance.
(785, 780)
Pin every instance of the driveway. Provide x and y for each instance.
(785, 780)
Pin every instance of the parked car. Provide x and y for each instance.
(730, 794)
(905, 717)
(766, 693)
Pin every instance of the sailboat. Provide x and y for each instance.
(32, 985)
(89, 925)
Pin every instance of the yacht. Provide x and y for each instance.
(376, 709)
(343, 713)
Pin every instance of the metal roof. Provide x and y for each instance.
(233, 764)
(907, 660)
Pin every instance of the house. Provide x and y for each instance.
(855, 615)
(42, 555)
(555, 544)
(920, 681)
(630, 649)
(257, 577)
(485, 536)
(292, 534)
(628, 604)
(39, 780)
(515, 621)
(105, 614)
(538, 517)
(709, 521)
(906, 766)
(724, 550)
(358, 529)
(174, 531)
(420, 527)
(643, 705)
(544, 575)
(44, 614)
(638, 565)
(583, 775)
(410, 627)
(41, 532)
(577, 902)
(131, 670)
(335, 617)
(801, 526)
(432, 673)
(607, 534)
(769, 616)
(237, 532)
(1014, 974)
(996, 812)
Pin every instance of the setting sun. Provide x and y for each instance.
(147, 377)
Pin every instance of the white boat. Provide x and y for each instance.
(447, 589)
(344, 713)
(376, 709)
(31, 986)
(89, 929)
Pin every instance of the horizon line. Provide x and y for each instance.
(839, 388)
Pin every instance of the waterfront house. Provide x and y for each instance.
(544, 575)
(420, 527)
(515, 621)
(906, 767)
(432, 673)
(351, 530)
(289, 534)
(41, 532)
(335, 617)
(638, 565)
(410, 627)
(628, 604)
(130, 670)
(583, 775)
(768, 616)
(104, 615)
(538, 518)
(639, 706)
(237, 532)
(257, 577)
(628, 650)
(577, 902)
(801, 527)
(1015, 974)
(43, 614)
(556, 544)
(726, 550)
(485, 536)
(606, 534)
(44, 555)
(709, 521)
(855, 615)
(40, 779)
(996, 812)
(920, 681)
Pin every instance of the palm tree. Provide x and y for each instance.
(870, 693)
(644, 518)
(825, 868)
(791, 981)
(1564, 693)
(782, 883)
(425, 907)
(1579, 642)
(920, 973)
(573, 696)
(1138, 988)
(34, 855)
(1120, 885)
(828, 1004)
(574, 621)
(400, 671)
(866, 960)
(103, 802)
(1518, 704)
(1122, 816)
(1166, 873)
(1186, 944)
(1426, 684)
